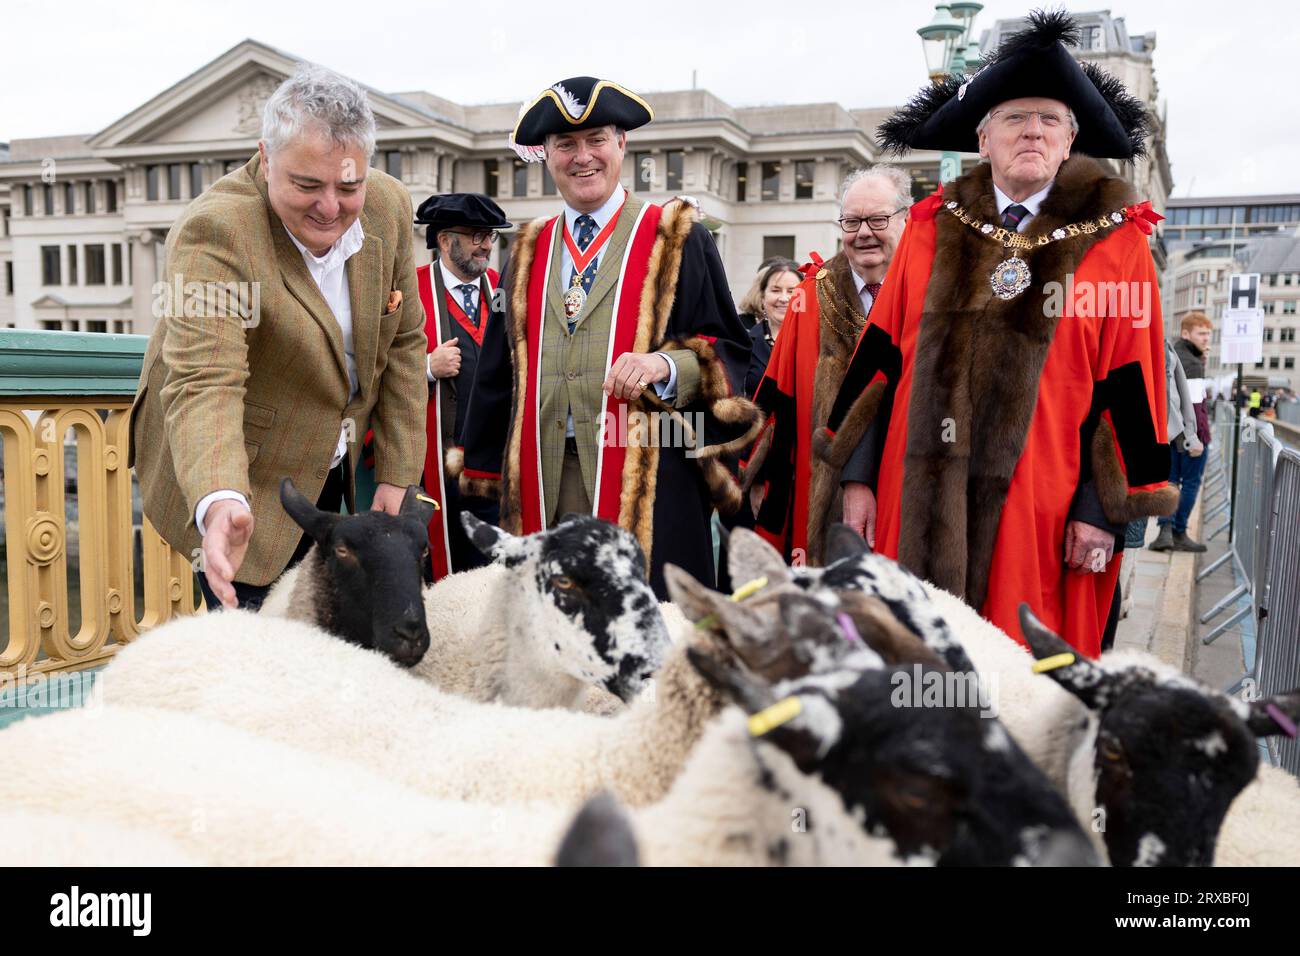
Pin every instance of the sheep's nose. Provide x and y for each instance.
(409, 630)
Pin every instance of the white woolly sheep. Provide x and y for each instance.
(557, 612)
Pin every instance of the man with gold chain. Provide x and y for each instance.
(1027, 420)
(615, 383)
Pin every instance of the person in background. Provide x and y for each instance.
(766, 303)
(796, 496)
(1189, 427)
(1256, 403)
(457, 292)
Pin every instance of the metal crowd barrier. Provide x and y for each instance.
(1277, 648)
(1252, 497)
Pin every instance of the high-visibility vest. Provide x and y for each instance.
(1255, 399)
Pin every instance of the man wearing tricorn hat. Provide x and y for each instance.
(1028, 410)
(457, 292)
(621, 333)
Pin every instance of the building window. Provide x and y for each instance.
(803, 179)
(742, 176)
(519, 179)
(232, 165)
(1289, 362)
(89, 197)
(642, 172)
(96, 325)
(27, 200)
(50, 272)
(1268, 334)
(69, 198)
(393, 163)
(782, 246)
(9, 278)
(95, 264)
(1090, 38)
(117, 263)
(771, 181)
(1273, 361)
(49, 200)
(196, 180)
(548, 181)
(4, 221)
(52, 325)
(151, 183)
(174, 181)
(1288, 308)
(110, 195)
(675, 163)
(1286, 335)
(492, 177)
(72, 265)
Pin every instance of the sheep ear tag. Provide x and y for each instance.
(770, 718)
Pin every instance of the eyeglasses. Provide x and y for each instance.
(1051, 119)
(478, 236)
(875, 223)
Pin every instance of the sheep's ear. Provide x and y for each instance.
(416, 504)
(750, 557)
(600, 835)
(318, 524)
(493, 543)
(733, 682)
(1084, 679)
(843, 542)
(687, 593)
(881, 631)
(1263, 723)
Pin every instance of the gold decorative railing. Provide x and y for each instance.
(60, 391)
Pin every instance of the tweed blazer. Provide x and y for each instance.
(244, 380)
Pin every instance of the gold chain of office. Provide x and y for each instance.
(840, 311)
(1011, 276)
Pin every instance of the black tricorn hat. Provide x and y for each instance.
(467, 210)
(1033, 62)
(580, 102)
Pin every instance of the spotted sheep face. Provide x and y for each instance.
(945, 785)
(1170, 754)
(590, 607)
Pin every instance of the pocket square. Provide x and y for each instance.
(394, 301)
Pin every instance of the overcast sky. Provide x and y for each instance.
(1225, 70)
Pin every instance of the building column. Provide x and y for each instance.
(144, 274)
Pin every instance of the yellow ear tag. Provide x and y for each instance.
(742, 592)
(436, 506)
(1052, 663)
(770, 718)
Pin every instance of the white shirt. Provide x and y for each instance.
(451, 281)
(1032, 204)
(331, 277)
(667, 390)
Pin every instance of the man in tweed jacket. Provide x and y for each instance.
(290, 325)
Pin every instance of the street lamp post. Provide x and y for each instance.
(948, 48)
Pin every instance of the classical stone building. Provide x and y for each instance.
(84, 217)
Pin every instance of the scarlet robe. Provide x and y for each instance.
(1012, 418)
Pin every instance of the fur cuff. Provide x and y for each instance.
(453, 461)
(715, 392)
(1121, 505)
(754, 464)
(835, 449)
(479, 486)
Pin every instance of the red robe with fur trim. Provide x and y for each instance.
(1010, 418)
(801, 492)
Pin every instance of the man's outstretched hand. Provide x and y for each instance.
(229, 529)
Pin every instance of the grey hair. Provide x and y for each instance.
(979, 127)
(314, 100)
(896, 175)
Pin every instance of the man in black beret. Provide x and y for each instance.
(1018, 345)
(458, 294)
(614, 386)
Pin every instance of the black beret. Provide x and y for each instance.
(464, 210)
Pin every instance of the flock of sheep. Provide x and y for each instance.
(559, 714)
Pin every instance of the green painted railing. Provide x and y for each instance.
(69, 363)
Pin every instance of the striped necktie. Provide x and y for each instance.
(1013, 216)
